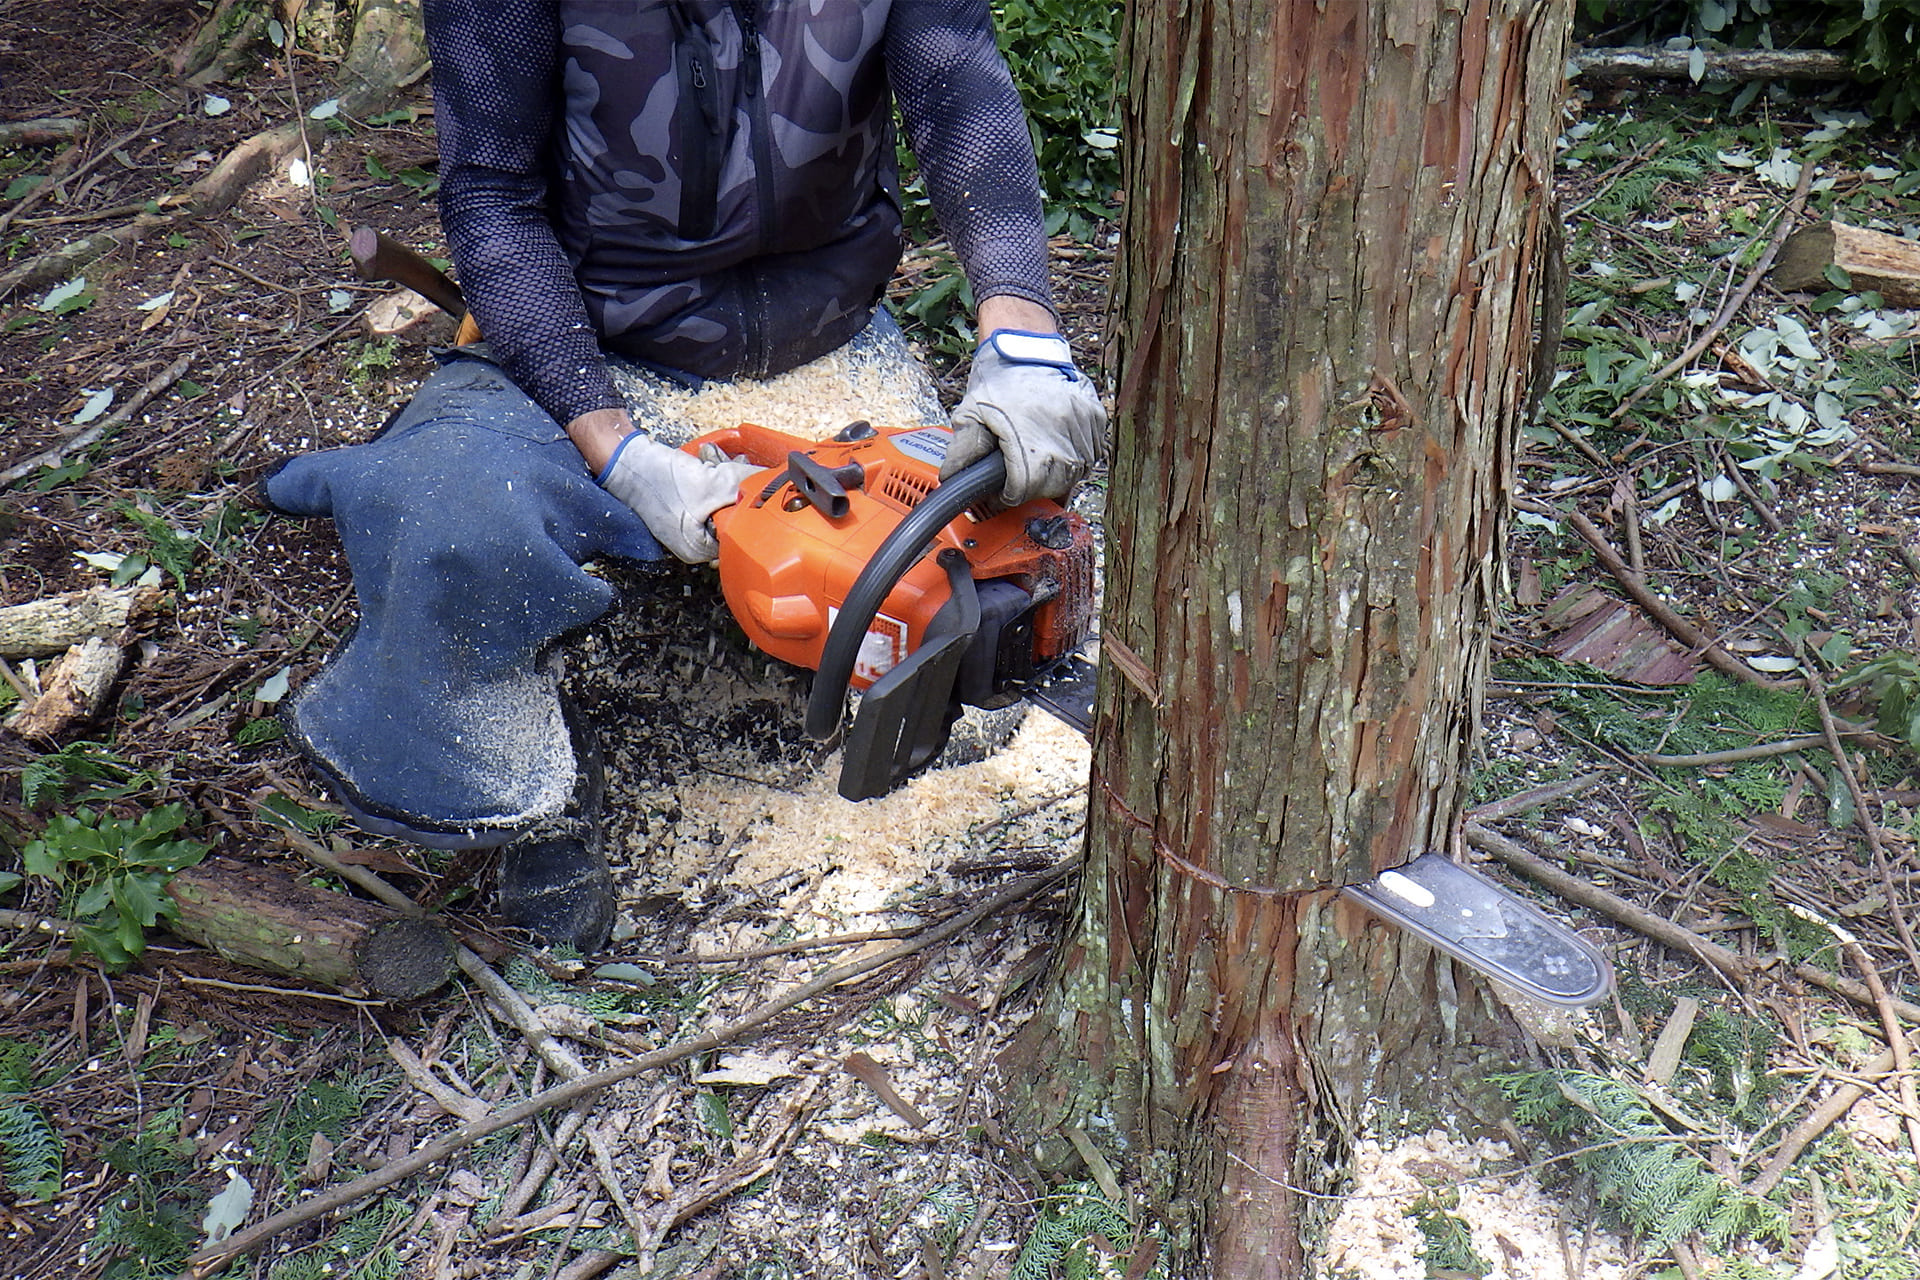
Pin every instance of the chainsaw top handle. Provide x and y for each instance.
(902, 549)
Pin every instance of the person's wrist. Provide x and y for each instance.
(1021, 315)
(598, 433)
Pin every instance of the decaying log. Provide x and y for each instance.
(266, 920)
(75, 691)
(38, 133)
(1716, 64)
(1873, 260)
(42, 628)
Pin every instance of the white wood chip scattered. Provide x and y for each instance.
(1513, 1220)
(860, 858)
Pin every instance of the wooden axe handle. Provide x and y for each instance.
(378, 256)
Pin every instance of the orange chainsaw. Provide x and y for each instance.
(851, 557)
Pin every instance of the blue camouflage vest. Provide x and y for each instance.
(717, 163)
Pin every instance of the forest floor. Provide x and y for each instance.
(1763, 492)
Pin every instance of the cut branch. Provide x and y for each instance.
(266, 920)
(1649, 63)
(67, 448)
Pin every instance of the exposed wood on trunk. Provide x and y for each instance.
(1333, 236)
(1873, 260)
(73, 693)
(265, 920)
(41, 628)
(1646, 63)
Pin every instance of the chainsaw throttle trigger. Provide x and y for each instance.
(824, 487)
(905, 717)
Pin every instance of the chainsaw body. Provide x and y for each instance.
(979, 607)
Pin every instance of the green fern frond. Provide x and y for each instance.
(31, 1152)
(1654, 1183)
(1071, 1217)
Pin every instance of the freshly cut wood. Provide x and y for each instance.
(75, 691)
(265, 920)
(1873, 260)
(42, 628)
(1725, 64)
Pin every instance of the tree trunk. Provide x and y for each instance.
(1324, 317)
(264, 920)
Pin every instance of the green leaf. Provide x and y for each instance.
(714, 1115)
(60, 295)
(10, 880)
(378, 171)
(54, 477)
(39, 860)
(21, 185)
(141, 898)
(1837, 276)
(95, 899)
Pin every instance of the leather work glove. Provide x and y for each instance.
(675, 492)
(1025, 396)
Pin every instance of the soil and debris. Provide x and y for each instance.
(859, 1135)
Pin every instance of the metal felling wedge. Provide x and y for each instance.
(1477, 922)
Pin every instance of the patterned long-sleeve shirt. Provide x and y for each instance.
(709, 185)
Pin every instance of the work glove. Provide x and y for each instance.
(674, 492)
(1025, 396)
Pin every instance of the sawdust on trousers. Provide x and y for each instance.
(857, 858)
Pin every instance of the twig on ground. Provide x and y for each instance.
(207, 1260)
(59, 453)
(723, 1184)
(1760, 751)
(1896, 1039)
(1537, 798)
(1862, 812)
(1732, 306)
(1838, 1103)
(610, 1179)
(1659, 928)
(459, 1105)
(1663, 613)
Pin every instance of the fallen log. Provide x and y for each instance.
(74, 692)
(46, 132)
(42, 628)
(265, 920)
(1873, 260)
(1648, 63)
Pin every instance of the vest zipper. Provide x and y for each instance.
(746, 14)
(697, 109)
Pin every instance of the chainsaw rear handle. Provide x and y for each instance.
(870, 590)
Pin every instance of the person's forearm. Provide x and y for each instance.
(598, 433)
(1004, 311)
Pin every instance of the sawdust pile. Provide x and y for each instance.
(1516, 1226)
(854, 859)
(865, 381)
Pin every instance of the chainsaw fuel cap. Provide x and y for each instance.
(1487, 927)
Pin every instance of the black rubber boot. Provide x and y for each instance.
(554, 881)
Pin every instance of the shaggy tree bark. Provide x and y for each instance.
(1332, 255)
